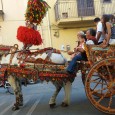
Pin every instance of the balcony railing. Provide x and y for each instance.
(82, 8)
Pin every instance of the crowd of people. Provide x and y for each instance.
(103, 36)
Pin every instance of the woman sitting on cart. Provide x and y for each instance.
(81, 40)
(108, 22)
(90, 35)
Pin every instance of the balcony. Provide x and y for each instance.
(80, 13)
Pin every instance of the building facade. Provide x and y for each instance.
(67, 17)
(12, 15)
(59, 27)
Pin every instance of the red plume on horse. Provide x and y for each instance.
(35, 12)
(29, 36)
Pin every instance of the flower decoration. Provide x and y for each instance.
(36, 10)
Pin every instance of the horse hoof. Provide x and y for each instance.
(15, 108)
(52, 105)
(64, 104)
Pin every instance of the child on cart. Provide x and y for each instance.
(81, 40)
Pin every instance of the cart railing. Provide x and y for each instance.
(96, 53)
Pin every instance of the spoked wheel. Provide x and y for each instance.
(101, 80)
(84, 74)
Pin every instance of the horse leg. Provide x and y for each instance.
(19, 87)
(15, 84)
(67, 89)
(52, 101)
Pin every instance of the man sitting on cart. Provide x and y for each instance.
(90, 35)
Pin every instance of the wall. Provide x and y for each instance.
(13, 17)
(104, 8)
(14, 11)
(0, 4)
(65, 36)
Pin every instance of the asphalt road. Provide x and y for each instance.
(36, 98)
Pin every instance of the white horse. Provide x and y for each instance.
(49, 55)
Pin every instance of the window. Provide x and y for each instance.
(89, 3)
(106, 1)
(65, 15)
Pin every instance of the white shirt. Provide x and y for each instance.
(89, 42)
(100, 29)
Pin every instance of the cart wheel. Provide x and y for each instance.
(84, 74)
(101, 80)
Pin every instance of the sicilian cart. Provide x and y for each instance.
(97, 73)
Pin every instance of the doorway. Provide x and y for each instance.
(85, 8)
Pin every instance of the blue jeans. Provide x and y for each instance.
(73, 64)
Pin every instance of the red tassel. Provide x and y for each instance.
(29, 36)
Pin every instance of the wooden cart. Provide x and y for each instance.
(98, 74)
(100, 78)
